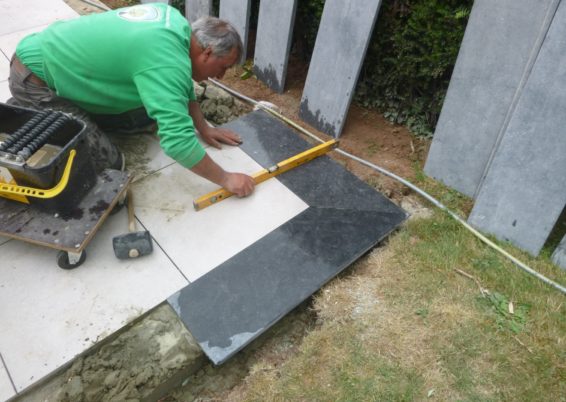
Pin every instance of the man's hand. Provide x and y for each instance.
(215, 136)
(212, 135)
(238, 183)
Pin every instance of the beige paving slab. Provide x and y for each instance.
(200, 241)
(143, 153)
(50, 315)
(17, 15)
(6, 388)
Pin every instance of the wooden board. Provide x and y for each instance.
(68, 230)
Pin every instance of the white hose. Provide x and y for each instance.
(523, 266)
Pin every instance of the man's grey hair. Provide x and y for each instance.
(219, 35)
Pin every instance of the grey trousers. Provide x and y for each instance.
(104, 153)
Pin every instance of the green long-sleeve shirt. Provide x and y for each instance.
(121, 60)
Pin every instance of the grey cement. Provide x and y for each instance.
(501, 41)
(273, 41)
(524, 191)
(154, 1)
(143, 363)
(559, 255)
(341, 44)
(237, 12)
(194, 9)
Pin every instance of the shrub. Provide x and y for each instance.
(410, 60)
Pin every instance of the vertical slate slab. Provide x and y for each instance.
(194, 9)
(500, 43)
(273, 41)
(339, 50)
(559, 255)
(237, 12)
(524, 191)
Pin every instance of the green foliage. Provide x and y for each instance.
(515, 319)
(410, 60)
(307, 21)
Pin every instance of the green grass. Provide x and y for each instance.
(433, 335)
(434, 314)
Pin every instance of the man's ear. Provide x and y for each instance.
(207, 53)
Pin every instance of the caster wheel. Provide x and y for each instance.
(75, 261)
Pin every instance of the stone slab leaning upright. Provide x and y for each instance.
(341, 43)
(273, 41)
(194, 9)
(237, 12)
(501, 40)
(524, 191)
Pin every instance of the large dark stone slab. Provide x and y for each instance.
(498, 50)
(194, 9)
(339, 51)
(237, 12)
(240, 299)
(524, 191)
(273, 41)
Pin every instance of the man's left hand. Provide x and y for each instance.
(215, 136)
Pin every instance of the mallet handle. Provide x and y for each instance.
(131, 217)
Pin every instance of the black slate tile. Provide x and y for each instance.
(237, 301)
(234, 303)
(266, 139)
(321, 182)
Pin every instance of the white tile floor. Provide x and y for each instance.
(18, 15)
(6, 388)
(202, 240)
(8, 42)
(49, 315)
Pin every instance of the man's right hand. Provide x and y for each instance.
(238, 183)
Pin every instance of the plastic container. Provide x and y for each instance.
(44, 168)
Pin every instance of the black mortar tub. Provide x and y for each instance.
(69, 133)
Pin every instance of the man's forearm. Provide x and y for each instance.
(198, 118)
(210, 170)
(238, 183)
